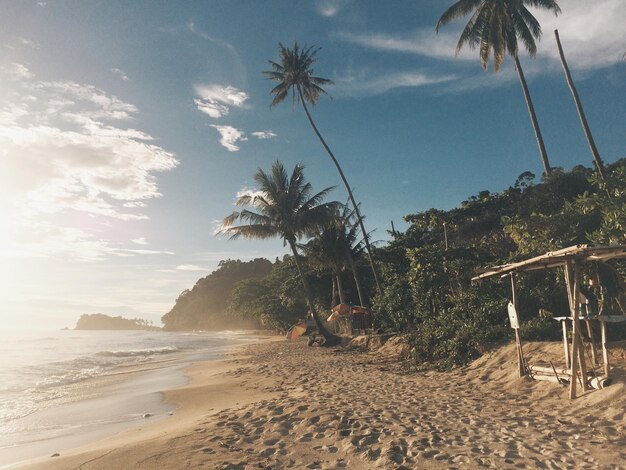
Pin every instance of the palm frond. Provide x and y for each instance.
(547, 4)
(294, 73)
(456, 11)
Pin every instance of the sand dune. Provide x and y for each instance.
(285, 405)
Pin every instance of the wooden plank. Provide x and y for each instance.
(521, 369)
(605, 352)
(555, 259)
(571, 300)
(576, 321)
(592, 338)
(568, 362)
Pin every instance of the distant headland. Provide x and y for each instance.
(100, 321)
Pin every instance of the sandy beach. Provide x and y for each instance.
(281, 404)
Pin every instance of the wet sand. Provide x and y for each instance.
(285, 405)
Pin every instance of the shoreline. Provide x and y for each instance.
(129, 397)
(277, 404)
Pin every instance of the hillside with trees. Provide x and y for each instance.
(100, 321)
(204, 307)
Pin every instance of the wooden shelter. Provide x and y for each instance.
(571, 259)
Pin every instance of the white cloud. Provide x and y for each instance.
(43, 240)
(15, 71)
(423, 41)
(363, 83)
(62, 159)
(120, 73)
(216, 100)
(264, 135)
(229, 136)
(28, 42)
(592, 33)
(329, 8)
(139, 241)
(190, 267)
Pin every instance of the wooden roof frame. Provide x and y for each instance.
(570, 259)
(553, 259)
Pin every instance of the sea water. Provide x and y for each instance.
(60, 388)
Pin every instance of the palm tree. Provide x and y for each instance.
(294, 75)
(286, 208)
(335, 248)
(496, 25)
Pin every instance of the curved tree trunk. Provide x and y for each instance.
(581, 113)
(342, 297)
(533, 117)
(330, 339)
(350, 195)
(356, 277)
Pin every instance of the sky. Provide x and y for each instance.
(127, 129)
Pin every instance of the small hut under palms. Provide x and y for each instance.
(571, 260)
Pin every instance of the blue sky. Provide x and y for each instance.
(128, 128)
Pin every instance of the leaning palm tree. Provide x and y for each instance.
(285, 207)
(336, 246)
(496, 25)
(294, 75)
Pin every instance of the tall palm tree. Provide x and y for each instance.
(335, 248)
(285, 207)
(496, 25)
(294, 75)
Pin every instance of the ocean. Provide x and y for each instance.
(66, 388)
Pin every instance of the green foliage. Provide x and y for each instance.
(204, 307)
(428, 292)
(272, 302)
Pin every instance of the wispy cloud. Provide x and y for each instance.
(28, 42)
(190, 267)
(139, 241)
(120, 73)
(216, 100)
(264, 135)
(592, 33)
(193, 27)
(423, 41)
(66, 155)
(364, 84)
(330, 8)
(15, 71)
(229, 136)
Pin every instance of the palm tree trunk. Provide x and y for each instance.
(581, 114)
(342, 297)
(356, 277)
(350, 195)
(533, 117)
(330, 339)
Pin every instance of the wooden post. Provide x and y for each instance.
(571, 301)
(594, 358)
(578, 352)
(605, 352)
(568, 362)
(518, 340)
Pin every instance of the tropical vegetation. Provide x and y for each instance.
(286, 207)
